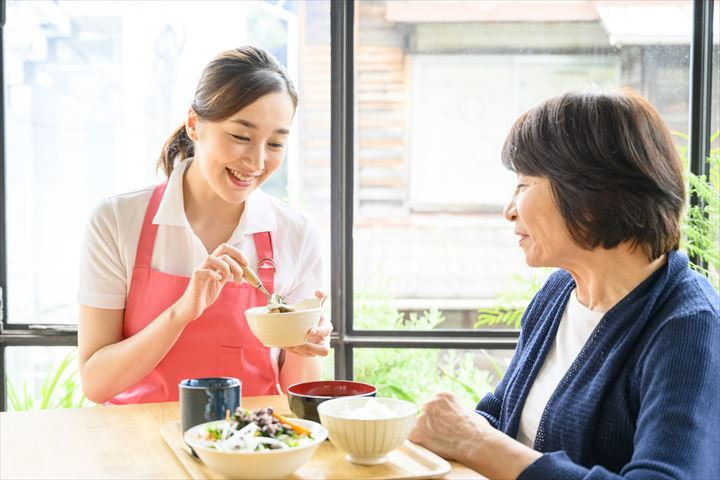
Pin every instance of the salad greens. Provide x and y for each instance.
(254, 431)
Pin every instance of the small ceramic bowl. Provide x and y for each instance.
(304, 398)
(256, 465)
(287, 329)
(367, 441)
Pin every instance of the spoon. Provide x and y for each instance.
(275, 302)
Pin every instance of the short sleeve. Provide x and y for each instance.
(103, 282)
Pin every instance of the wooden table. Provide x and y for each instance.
(106, 442)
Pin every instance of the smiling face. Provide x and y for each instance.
(237, 155)
(543, 234)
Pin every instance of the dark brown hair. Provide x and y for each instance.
(615, 172)
(231, 81)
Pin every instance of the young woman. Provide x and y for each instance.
(162, 294)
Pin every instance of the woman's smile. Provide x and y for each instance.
(239, 179)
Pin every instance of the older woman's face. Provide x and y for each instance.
(541, 228)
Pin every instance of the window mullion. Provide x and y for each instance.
(341, 174)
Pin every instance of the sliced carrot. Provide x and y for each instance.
(294, 426)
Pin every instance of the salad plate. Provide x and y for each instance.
(257, 444)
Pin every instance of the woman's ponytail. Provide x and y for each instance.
(177, 148)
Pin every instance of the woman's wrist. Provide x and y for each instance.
(504, 456)
(467, 448)
(180, 315)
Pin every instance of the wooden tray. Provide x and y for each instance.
(409, 461)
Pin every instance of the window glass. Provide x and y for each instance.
(328, 365)
(417, 374)
(715, 110)
(714, 160)
(42, 377)
(93, 90)
(439, 84)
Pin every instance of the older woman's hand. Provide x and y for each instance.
(448, 429)
(453, 432)
(318, 341)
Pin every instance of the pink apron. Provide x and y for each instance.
(218, 344)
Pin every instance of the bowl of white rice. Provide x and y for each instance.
(367, 428)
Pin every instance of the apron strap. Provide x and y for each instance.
(266, 264)
(143, 256)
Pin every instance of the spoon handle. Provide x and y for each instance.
(254, 280)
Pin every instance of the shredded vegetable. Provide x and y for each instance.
(254, 431)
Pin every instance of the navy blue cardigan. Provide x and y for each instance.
(642, 400)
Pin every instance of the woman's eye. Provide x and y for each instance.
(276, 145)
(240, 138)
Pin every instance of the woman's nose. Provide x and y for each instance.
(510, 212)
(257, 157)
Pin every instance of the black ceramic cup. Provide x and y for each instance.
(206, 399)
(304, 398)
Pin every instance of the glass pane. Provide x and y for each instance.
(715, 111)
(92, 91)
(439, 84)
(418, 374)
(43, 377)
(329, 366)
(714, 161)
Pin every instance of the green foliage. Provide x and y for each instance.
(511, 305)
(701, 223)
(60, 389)
(411, 373)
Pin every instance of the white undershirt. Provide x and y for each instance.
(576, 325)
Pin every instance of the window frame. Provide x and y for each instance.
(343, 26)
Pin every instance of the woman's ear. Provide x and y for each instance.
(191, 124)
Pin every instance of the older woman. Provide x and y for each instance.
(616, 369)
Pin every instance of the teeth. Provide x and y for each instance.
(239, 176)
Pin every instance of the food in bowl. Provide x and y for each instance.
(304, 397)
(255, 431)
(279, 304)
(285, 329)
(372, 410)
(367, 441)
(258, 444)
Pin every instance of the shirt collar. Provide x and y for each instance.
(171, 210)
(258, 216)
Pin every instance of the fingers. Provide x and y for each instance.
(318, 345)
(321, 295)
(324, 329)
(235, 253)
(235, 268)
(310, 349)
(206, 272)
(298, 351)
(226, 266)
(218, 265)
(417, 434)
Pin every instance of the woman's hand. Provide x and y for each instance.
(448, 429)
(318, 341)
(208, 280)
(455, 433)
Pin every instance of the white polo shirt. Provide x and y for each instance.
(111, 239)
